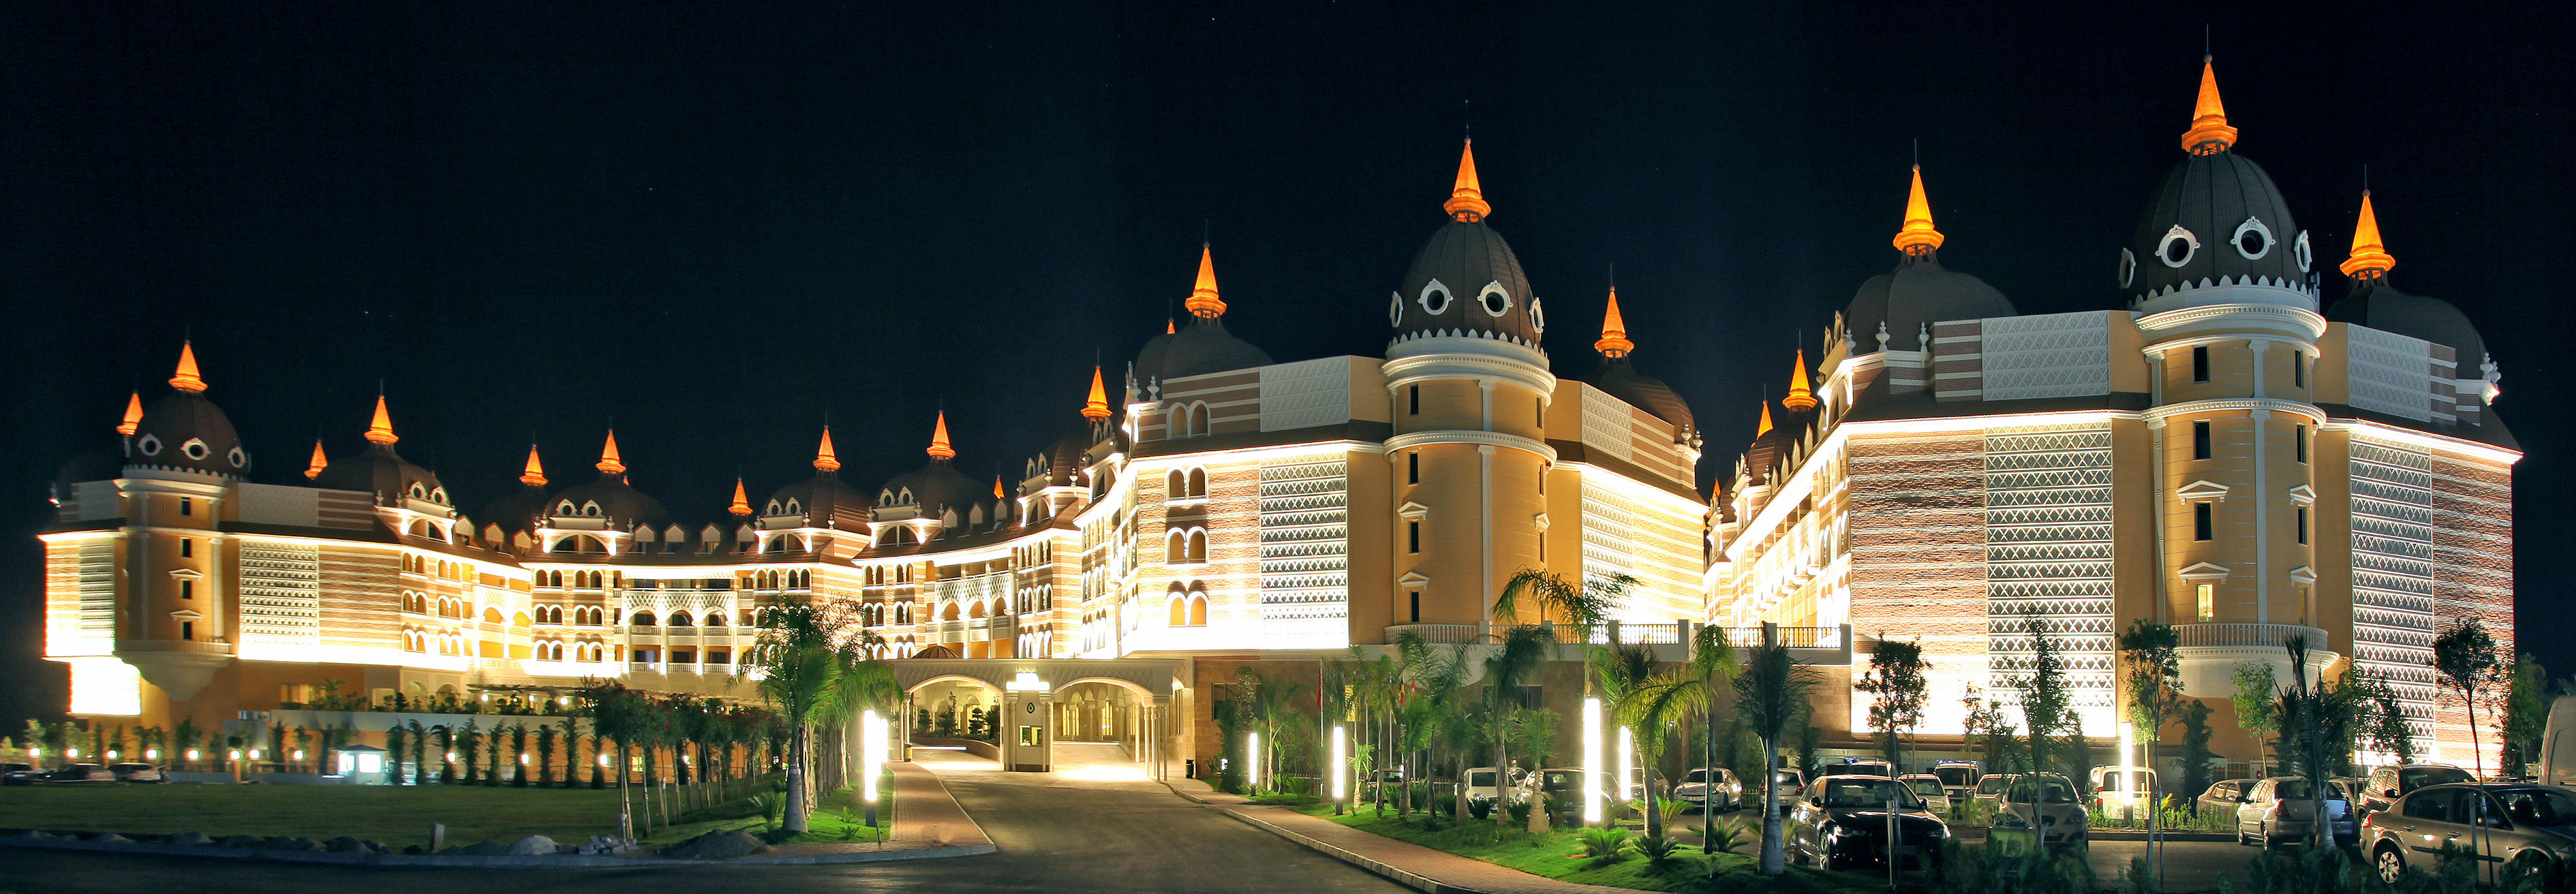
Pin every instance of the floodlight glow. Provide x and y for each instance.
(152, 754)
(523, 760)
(603, 760)
(872, 748)
(1252, 760)
(1591, 785)
(1341, 764)
(1627, 762)
(1026, 681)
(192, 754)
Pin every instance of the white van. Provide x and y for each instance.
(2558, 744)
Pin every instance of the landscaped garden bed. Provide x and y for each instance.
(1560, 854)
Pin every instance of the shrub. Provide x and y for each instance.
(1660, 851)
(1729, 834)
(1975, 870)
(2307, 871)
(1520, 812)
(1604, 844)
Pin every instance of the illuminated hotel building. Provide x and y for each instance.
(1228, 509)
(2222, 454)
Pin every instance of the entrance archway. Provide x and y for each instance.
(1042, 700)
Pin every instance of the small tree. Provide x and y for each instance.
(1987, 726)
(1898, 689)
(394, 753)
(1771, 694)
(2046, 703)
(2196, 755)
(2526, 715)
(187, 735)
(2256, 698)
(419, 737)
(519, 755)
(470, 747)
(2464, 657)
(572, 750)
(545, 757)
(2315, 729)
(2385, 728)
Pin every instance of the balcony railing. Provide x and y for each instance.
(2248, 635)
(1647, 634)
(1435, 633)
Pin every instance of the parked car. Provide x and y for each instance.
(29, 776)
(1481, 785)
(2386, 784)
(1712, 789)
(1790, 781)
(2044, 803)
(1959, 778)
(1980, 807)
(1842, 821)
(1936, 797)
(135, 772)
(1864, 768)
(81, 773)
(1564, 789)
(2285, 807)
(2221, 798)
(2499, 822)
(2122, 787)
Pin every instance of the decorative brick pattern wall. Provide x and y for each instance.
(1918, 557)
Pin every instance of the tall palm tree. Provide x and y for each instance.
(1696, 686)
(1771, 693)
(1522, 650)
(1582, 607)
(572, 749)
(1623, 672)
(797, 649)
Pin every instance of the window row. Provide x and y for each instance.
(1185, 546)
(714, 617)
(1186, 420)
(2203, 443)
(2204, 522)
(1189, 610)
(579, 651)
(419, 603)
(583, 580)
(781, 579)
(588, 615)
(1191, 484)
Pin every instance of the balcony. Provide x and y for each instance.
(1435, 633)
(1825, 646)
(2272, 636)
(2210, 654)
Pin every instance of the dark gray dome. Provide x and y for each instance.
(1459, 281)
(611, 498)
(1203, 347)
(932, 489)
(1917, 292)
(1149, 359)
(519, 511)
(825, 500)
(384, 473)
(2217, 219)
(2377, 304)
(1620, 378)
(187, 432)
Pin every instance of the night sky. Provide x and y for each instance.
(718, 223)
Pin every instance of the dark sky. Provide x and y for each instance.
(717, 222)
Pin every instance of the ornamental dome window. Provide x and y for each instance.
(438, 496)
(195, 449)
(1394, 308)
(2306, 257)
(418, 492)
(794, 508)
(150, 445)
(2128, 267)
(1435, 298)
(2178, 247)
(2253, 239)
(564, 508)
(237, 457)
(773, 507)
(590, 509)
(1494, 299)
(1538, 316)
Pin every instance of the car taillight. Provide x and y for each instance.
(2272, 812)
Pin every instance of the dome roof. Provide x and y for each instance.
(386, 474)
(1200, 348)
(187, 432)
(611, 498)
(932, 489)
(824, 500)
(1917, 292)
(1466, 280)
(2216, 219)
(2377, 304)
(519, 511)
(1620, 378)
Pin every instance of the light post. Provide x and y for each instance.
(1627, 764)
(1591, 761)
(1252, 761)
(1341, 769)
(872, 757)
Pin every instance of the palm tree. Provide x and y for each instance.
(1771, 693)
(802, 660)
(1623, 672)
(1695, 687)
(1523, 649)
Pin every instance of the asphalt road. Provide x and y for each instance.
(1076, 831)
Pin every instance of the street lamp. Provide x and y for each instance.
(1252, 761)
(1627, 762)
(872, 758)
(1591, 761)
(1341, 765)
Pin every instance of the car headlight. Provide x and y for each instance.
(1832, 831)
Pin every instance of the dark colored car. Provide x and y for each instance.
(81, 773)
(1841, 821)
(2387, 784)
(1564, 789)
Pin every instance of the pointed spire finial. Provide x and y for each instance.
(1203, 302)
(1917, 237)
(824, 459)
(1801, 397)
(1614, 341)
(1096, 407)
(320, 461)
(997, 485)
(939, 447)
(186, 379)
(380, 432)
(2370, 259)
(609, 464)
(535, 473)
(741, 507)
(1763, 427)
(2209, 133)
(1467, 197)
(133, 415)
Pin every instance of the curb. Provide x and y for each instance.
(1413, 880)
(565, 861)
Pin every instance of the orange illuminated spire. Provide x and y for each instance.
(1763, 427)
(133, 415)
(2209, 133)
(320, 461)
(1168, 328)
(1801, 397)
(186, 378)
(381, 431)
(1467, 199)
(2370, 259)
(1917, 237)
(1614, 341)
(535, 474)
(741, 501)
(939, 448)
(609, 464)
(824, 459)
(1096, 407)
(1203, 302)
(997, 487)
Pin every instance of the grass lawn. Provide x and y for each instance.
(838, 818)
(1558, 855)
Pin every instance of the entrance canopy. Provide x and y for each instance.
(1151, 677)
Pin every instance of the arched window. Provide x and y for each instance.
(975, 610)
(680, 619)
(1199, 418)
(949, 613)
(1198, 544)
(642, 619)
(715, 617)
(1180, 611)
(1176, 548)
(1198, 609)
(1176, 485)
(1198, 483)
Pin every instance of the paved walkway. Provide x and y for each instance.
(926, 816)
(1411, 865)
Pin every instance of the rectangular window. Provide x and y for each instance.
(1542, 546)
(1416, 598)
(2206, 602)
(684, 656)
(2201, 521)
(1413, 396)
(2299, 442)
(188, 630)
(1413, 468)
(2299, 369)
(2200, 440)
(2303, 525)
(187, 589)
(187, 547)
(187, 506)
(2200, 363)
(1413, 536)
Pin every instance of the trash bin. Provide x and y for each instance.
(1190, 768)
